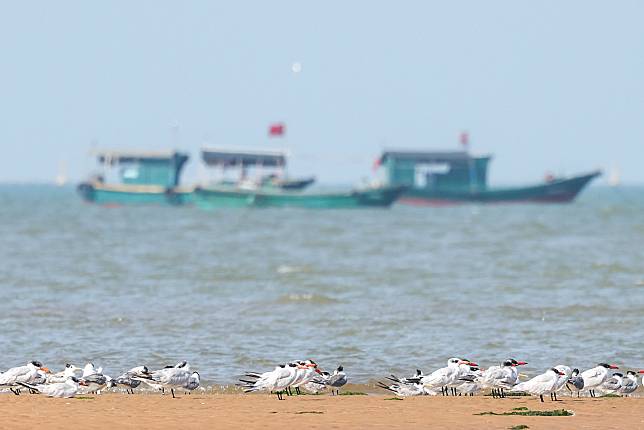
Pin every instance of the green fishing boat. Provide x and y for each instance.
(142, 177)
(254, 191)
(449, 177)
(226, 196)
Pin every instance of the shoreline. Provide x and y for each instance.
(208, 410)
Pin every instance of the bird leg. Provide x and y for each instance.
(297, 390)
(172, 391)
(556, 400)
(16, 392)
(541, 397)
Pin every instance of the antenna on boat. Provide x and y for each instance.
(174, 129)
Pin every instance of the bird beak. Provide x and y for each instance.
(81, 382)
(46, 370)
(320, 372)
(641, 371)
(521, 363)
(471, 363)
(612, 366)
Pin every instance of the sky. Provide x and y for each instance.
(544, 86)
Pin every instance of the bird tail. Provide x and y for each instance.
(386, 387)
(28, 386)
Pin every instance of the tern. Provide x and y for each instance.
(629, 383)
(540, 384)
(275, 381)
(309, 371)
(596, 376)
(168, 377)
(338, 379)
(612, 384)
(69, 388)
(25, 374)
(317, 384)
(502, 377)
(561, 382)
(444, 376)
(62, 376)
(193, 382)
(575, 383)
(127, 379)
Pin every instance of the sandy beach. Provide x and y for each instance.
(262, 411)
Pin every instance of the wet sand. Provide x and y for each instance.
(109, 411)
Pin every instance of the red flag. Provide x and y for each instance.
(465, 139)
(376, 164)
(277, 129)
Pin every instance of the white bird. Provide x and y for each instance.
(193, 382)
(404, 390)
(596, 376)
(502, 377)
(93, 379)
(308, 371)
(561, 381)
(470, 382)
(317, 384)
(629, 383)
(62, 376)
(541, 384)
(276, 381)
(338, 379)
(25, 374)
(69, 388)
(169, 377)
(127, 379)
(612, 384)
(444, 376)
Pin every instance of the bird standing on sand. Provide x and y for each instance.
(540, 384)
(338, 379)
(575, 383)
(561, 382)
(502, 377)
(444, 376)
(127, 379)
(168, 377)
(596, 376)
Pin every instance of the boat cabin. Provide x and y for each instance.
(161, 168)
(435, 169)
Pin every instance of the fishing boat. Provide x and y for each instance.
(142, 177)
(448, 177)
(248, 192)
(269, 167)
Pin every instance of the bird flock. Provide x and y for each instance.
(461, 377)
(464, 377)
(74, 380)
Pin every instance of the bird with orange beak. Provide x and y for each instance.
(22, 374)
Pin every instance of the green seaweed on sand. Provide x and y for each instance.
(84, 398)
(308, 412)
(510, 395)
(529, 413)
(611, 395)
(519, 427)
(352, 393)
(394, 398)
(522, 408)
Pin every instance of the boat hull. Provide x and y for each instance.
(557, 191)
(222, 197)
(132, 195)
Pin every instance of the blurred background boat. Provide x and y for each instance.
(261, 190)
(446, 177)
(141, 177)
